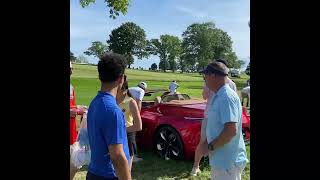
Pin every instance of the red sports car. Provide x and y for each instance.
(172, 126)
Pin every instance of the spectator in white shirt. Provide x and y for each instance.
(173, 87)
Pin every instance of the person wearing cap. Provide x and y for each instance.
(201, 149)
(173, 87)
(230, 81)
(138, 93)
(227, 152)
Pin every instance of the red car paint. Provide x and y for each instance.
(185, 119)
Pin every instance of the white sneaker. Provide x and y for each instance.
(136, 159)
(194, 171)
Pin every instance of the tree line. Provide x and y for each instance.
(200, 43)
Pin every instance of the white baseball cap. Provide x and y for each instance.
(143, 85)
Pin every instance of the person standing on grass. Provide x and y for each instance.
(201, 149)
(137, 94)
(173, 87)
(106, 124)
(245, 94)
(73, 125)
(227, 151)
(134, 123)
(73, 112)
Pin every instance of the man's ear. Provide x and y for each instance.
(120, 80)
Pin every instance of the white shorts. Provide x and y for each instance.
(232, 174)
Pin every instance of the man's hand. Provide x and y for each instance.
(204, 148)
(228, 132)
(73, 113)
(81, 109)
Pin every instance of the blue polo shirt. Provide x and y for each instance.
(225, 107)
(106, 125)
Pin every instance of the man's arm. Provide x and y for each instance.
(119, 161)
(228, 132)
(229, 116)
(139, 99)
(114, 132)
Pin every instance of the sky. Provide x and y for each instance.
(158, 17)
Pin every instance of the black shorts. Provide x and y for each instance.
(132, 143)
(91, 176)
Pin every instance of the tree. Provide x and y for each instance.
(82, 59)
(72, 57)
(203, 43)
(164, 65)
(168, 48)
(97, 49)
(154, 66)
(240, 64)
(248, 69)
(129, 40)
(115, 6)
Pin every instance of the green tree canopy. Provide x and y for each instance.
(129, 40)
(115, 6)
(97, 49)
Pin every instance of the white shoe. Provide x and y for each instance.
(194, 171)
(136, 159)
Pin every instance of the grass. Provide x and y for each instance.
(86, 83)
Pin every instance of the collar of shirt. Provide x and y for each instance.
(220, 91)
(103, 93)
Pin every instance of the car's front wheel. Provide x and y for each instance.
(168, 143)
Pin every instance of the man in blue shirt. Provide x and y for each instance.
(107, 126)
(227, 151)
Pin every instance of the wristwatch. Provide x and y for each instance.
(210, 147)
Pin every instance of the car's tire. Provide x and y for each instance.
(168, 143)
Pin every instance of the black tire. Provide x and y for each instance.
(168, 144)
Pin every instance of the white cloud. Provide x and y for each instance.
(194, 13)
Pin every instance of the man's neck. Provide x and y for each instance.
(110, 88)
(220, 84)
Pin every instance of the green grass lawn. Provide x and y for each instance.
(86, 83)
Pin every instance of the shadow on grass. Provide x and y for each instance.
(154, 168)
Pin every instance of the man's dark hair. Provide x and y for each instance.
(111, 66)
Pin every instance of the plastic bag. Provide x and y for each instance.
(80, 151)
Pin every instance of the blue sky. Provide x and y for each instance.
(159, 17)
